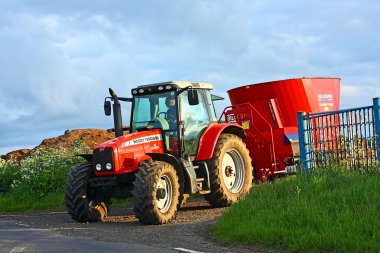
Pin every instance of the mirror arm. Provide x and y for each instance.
(186, 88)
(125, 99)
(120, 98)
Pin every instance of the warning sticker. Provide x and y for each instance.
(141, 140)
(245, 124)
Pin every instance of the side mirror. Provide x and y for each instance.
(107, 108)
(192, 96)
(216, 98)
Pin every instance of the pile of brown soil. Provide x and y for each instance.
(70, 139)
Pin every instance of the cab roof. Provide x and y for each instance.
(181, 85)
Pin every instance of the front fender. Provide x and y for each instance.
(87, 157)
(209, 138)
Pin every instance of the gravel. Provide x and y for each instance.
(191, 229)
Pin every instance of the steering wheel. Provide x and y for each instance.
(164, 113)
(167, 116)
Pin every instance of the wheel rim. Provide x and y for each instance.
(163, 204)
(233, 170)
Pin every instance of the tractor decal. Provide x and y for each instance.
(141, 140)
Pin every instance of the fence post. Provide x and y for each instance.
(302, 140)
(376, 113)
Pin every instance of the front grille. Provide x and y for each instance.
(102, 157)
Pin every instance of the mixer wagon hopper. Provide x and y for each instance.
(268, 114)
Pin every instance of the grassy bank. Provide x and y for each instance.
(36, 183)
(329, 211)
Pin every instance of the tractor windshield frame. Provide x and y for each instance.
(149, 111)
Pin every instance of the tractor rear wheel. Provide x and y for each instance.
(79, 205)
(230, 171)
(155, 192)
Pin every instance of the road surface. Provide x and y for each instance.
(190, 231)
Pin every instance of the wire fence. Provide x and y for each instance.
(349, 138)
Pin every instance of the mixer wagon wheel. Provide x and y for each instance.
(155, 192)
(80, 206)
(230, 171)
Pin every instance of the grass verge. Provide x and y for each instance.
(12, 203)
(328, 211)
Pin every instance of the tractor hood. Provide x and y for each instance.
(123, 154)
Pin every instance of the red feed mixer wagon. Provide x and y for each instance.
(268, 114)
(176, 146)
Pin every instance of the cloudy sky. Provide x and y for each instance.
(58, 58)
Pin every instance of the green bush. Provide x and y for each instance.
(36, 180)
(9, 175)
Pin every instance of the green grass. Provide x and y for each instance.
(328, 211)
(11, 203)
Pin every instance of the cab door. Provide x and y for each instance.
(195, 119)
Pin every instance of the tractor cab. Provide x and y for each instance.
(182, 110)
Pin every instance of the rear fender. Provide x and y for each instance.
(184, 176)
(208, 140)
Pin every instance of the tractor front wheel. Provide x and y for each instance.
(230, 171)
(155, 192)
(80, 206)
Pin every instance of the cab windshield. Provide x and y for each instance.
(157, 111)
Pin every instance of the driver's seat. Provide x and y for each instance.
(163, 124)
(160, 122)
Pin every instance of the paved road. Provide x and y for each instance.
(15, 238)
(121, 232)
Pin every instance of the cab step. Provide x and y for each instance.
(205, 192)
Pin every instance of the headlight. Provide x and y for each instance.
(108, 166)
(134, 91)
(98, 167)
(160, 87)
(168, 87)
(141, 90)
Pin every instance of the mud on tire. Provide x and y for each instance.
(79, 206)
(230, 171)
(152, 204)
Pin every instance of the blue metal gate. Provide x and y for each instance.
(350, 138)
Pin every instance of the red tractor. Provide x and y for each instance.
(175, 147)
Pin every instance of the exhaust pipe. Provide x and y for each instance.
(118, 122)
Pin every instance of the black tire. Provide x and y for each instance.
(79, 206)
(221, 194)
(182, 200)
(148, 207)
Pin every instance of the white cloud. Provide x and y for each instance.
(59, 58)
